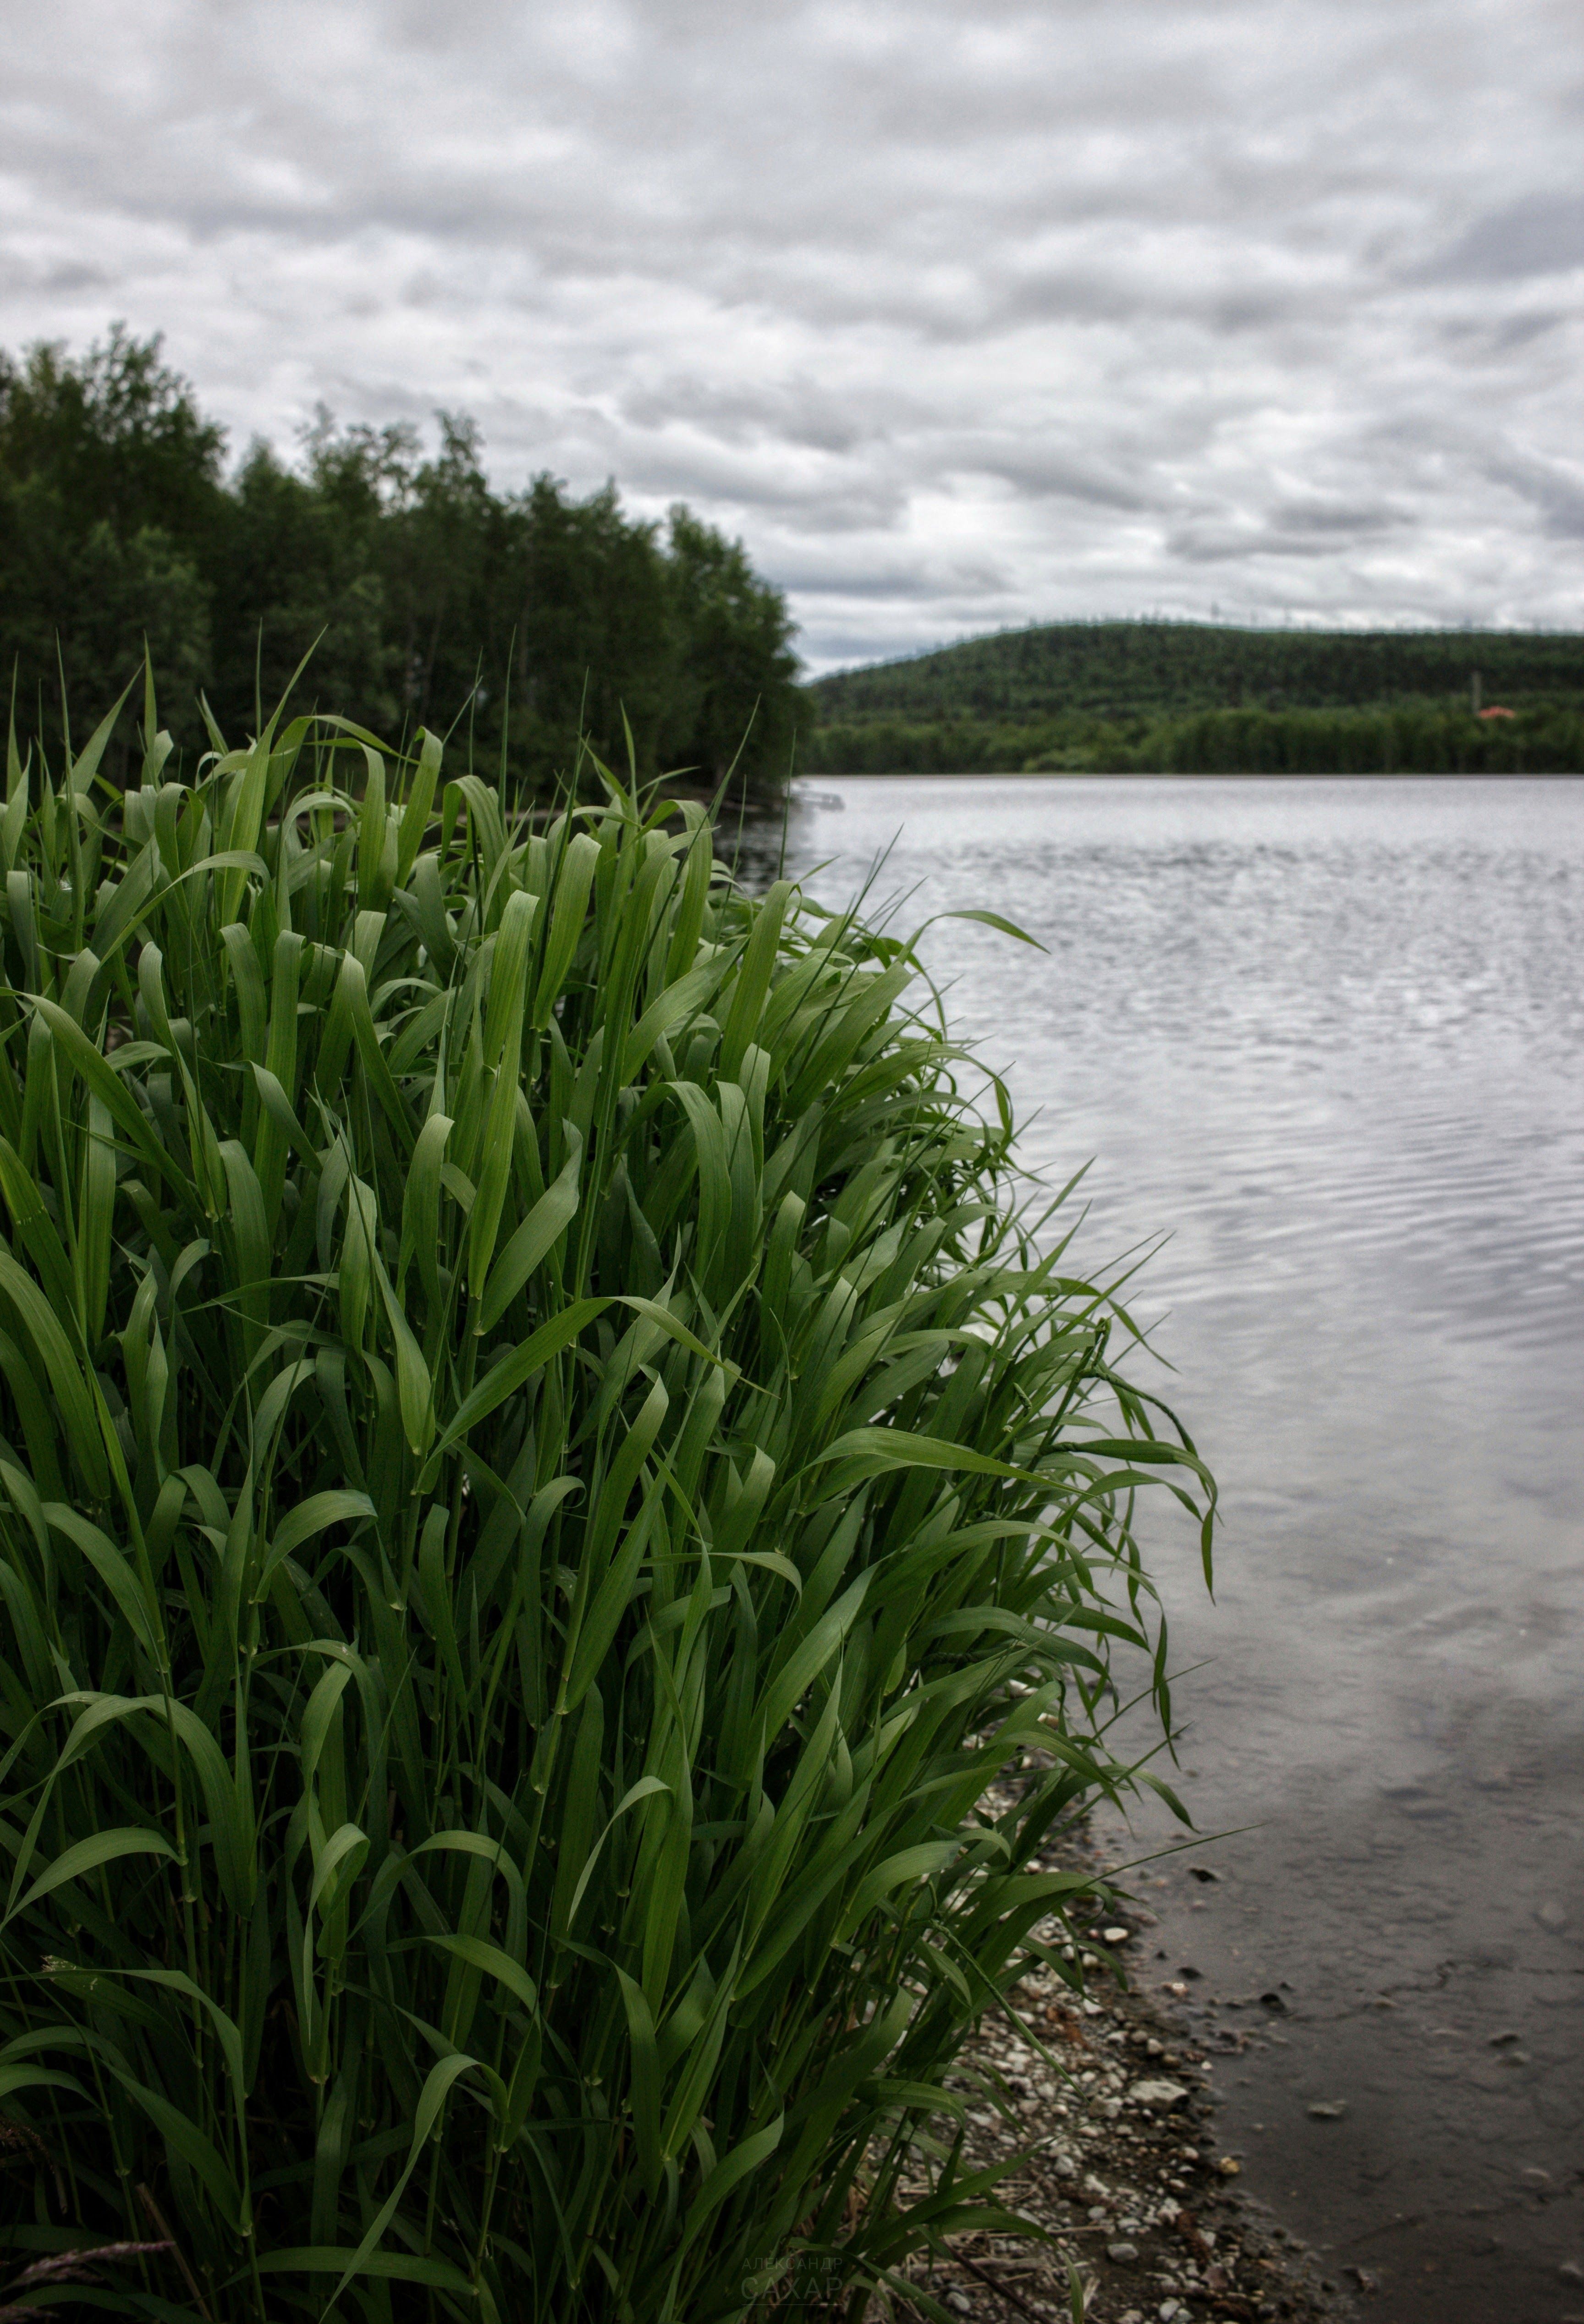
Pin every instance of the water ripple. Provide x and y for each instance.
(1330, 1035)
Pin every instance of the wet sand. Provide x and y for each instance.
(1413, 2108)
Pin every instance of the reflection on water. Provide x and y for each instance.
(1331, 1035)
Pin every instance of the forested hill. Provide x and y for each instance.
(1179, 694)
(1119, 667)
(423, 595)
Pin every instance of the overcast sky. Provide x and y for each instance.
(961, 314)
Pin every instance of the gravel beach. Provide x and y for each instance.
(1124, 2172)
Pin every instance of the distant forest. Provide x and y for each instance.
(425, 596)
(1189, 698)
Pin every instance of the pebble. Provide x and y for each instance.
(1328, 2109)
(1534, 2177)
(1160, 2093)
(1552, 1916)
(1571, 2271)
(1502, 2040)
(1116, 1936)
(1146, 2137)
(960, 2301)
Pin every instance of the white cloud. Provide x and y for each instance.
(962, 312)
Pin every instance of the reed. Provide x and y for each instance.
(543, 1474)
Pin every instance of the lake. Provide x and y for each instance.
(1327, 1037)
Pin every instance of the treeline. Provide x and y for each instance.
(968, 746)
(1107, 672)
(424, 596)
(1401, 738)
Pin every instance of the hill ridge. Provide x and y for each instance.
(1162, 665)
(1118, 696)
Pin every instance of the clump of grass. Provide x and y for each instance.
(542, 1475)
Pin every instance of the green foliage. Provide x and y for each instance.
(1395, 738)
(1131, 669)
(543, 1471)
(109, 489)
(424, 594)
(738, 651)
(973, 746)
(1146, 698)
(1399, 738)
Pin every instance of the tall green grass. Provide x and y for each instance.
(543, 1475)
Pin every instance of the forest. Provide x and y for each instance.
(422, 594)
(1144, 697)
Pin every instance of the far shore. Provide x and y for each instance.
(1208, 775)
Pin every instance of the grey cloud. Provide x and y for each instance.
(1198, 544)
(1246, 312)
(1043, 473)
(910, 583)
(796, 410)
(63, 280)
(1328, 517)
(1258, 522)
(1541, 234)
(959, 310)
(1491, 339)
(1556, 493)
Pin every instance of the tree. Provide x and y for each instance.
(419, 594)
(110, 498)
(733, 697)
(299, 574)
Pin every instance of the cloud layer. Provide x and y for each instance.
(961, 313)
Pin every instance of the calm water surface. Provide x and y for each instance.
(1330, 1035)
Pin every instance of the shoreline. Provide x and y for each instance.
(1196, 775)
(1124, 2172)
